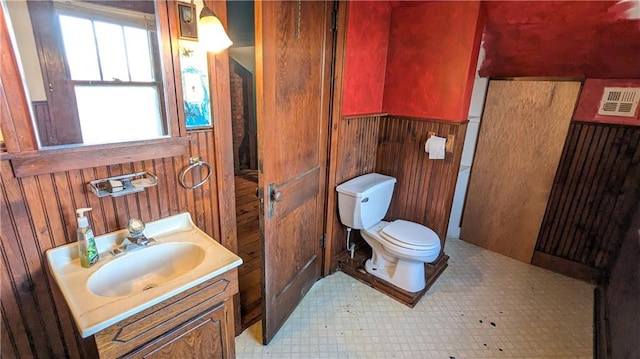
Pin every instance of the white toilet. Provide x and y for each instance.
(400, 248)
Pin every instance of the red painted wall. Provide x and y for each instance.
(590, 97)
(365, 57)
(433, 50)
(429, 51)
(592, 39)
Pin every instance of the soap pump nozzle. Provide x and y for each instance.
(82, 220)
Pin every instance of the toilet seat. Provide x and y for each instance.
(399, 260)
(423, 235)
(410, 235)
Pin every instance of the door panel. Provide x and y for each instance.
(293, 259)
(298, 192)
(293, 59)
(522, 133)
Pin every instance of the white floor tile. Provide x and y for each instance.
(484, 305)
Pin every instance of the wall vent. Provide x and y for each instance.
(619, 101)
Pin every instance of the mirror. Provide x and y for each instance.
(92, 69)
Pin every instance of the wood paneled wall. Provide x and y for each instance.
(424, 191)
(358, 145)
(38, 213)
(394, 146)
(596, 188)
(358, 142)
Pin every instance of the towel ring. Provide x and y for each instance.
(193, 163)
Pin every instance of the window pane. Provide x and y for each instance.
(118, 113)
(139, 54)
(113, 58)
(80, 48)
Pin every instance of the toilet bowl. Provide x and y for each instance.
(399, 248)
(399, 251)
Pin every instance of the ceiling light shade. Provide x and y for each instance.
(213, 38)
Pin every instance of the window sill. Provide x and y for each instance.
(45, 161)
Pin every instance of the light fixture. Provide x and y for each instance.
(212, 36)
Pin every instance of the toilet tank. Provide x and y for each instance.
(363, 201)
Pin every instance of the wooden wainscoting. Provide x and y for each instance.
(38, 213)
(591, 203)
(357, 146)
(394, 146)
(424, 191)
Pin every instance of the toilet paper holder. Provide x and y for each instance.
(448, 146)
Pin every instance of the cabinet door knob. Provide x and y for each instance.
(276, 196)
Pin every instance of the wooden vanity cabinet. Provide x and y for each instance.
(197, 323)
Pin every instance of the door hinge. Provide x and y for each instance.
(323, 239)
(334, 19)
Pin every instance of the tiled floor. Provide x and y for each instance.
(484, 305)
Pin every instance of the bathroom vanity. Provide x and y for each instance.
(197, 323)
(172, 298)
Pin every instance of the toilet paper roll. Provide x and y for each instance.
(435, 146)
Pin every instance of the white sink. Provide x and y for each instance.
(145, 268)
(115, 288)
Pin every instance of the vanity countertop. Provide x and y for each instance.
(93, 312)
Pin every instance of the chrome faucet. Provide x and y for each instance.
(135, 240)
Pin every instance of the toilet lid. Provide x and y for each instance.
(405, 233)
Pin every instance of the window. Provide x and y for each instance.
(112, 72)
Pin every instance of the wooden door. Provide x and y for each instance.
(293, 71)
(522, 133)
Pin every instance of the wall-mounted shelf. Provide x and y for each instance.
(122, 185)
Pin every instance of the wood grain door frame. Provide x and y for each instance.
(341, 11)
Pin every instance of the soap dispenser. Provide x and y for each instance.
(86, 243)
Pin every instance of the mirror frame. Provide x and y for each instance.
(21, 146)
(19, 132)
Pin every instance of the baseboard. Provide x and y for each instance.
(568, 268)
(354, 267)
(600, 324)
